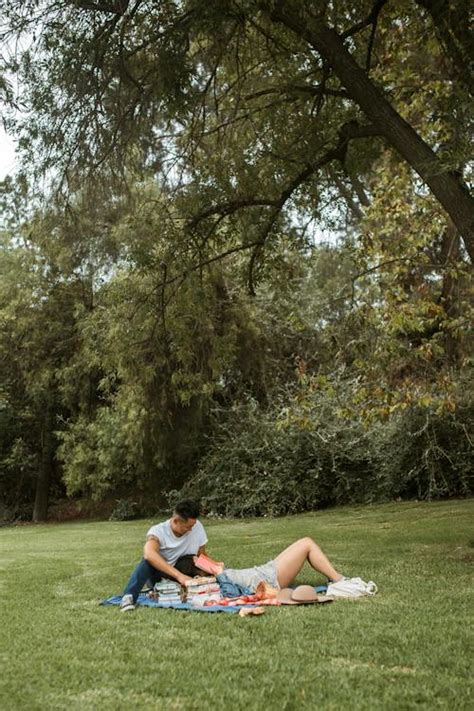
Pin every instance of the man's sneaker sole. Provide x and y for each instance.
(127, 608)
(127, 604)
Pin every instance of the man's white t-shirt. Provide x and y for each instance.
(173, 547)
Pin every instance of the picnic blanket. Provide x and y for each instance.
(145, 601)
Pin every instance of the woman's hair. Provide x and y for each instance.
(187, 509)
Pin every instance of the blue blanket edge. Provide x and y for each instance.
(144, 601)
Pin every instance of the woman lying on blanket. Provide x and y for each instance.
(281, 571)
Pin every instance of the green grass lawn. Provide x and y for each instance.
(407, 647)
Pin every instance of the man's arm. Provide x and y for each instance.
(151, 553)
(202, 550)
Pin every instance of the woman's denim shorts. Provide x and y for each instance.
(251, 577)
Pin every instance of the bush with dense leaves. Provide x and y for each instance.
(262, 463)
(426, 455)
(306, 456)
(124, 510)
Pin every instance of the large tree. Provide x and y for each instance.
(250, 101)
(192, 147)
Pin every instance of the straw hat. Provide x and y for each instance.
(302, 595)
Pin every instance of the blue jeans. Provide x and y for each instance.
(146, 572)
(143, 572)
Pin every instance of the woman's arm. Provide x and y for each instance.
(206, 564)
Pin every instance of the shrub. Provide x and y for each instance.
(423, 454)
(125, 510)
(280, 460)
(265, 464)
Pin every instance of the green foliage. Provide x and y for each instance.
(284, 460)
(36, 338)
(423, 454)
(166, 297)
(125, 510)
(102, 455)
(306, 456)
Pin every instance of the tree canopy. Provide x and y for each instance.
(181, 162)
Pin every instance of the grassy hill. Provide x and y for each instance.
(405, 648)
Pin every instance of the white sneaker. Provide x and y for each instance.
(127, 604)
(351, 588)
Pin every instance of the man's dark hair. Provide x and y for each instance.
(187, 509)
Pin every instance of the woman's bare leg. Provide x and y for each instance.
(291, 560)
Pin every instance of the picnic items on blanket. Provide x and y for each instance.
(196, 591)
(208, 565)
(165, 594)
(253, 599)
(202, 584)
(264, 595)
(302, 595)
(205, 600)
(351, 588)
(167, 591)
(200, 589)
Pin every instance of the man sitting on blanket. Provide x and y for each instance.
(168, 553)
(171, 546)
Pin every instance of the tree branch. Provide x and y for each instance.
(228, 208)
(347, 132)
(371, 19)
(118, 8)
(445, 184)
(313, 90)
(359, 189)
(346, 194)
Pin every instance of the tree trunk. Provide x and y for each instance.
(346, 194)
(445, 185)
(40, 510)
(449, 298)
